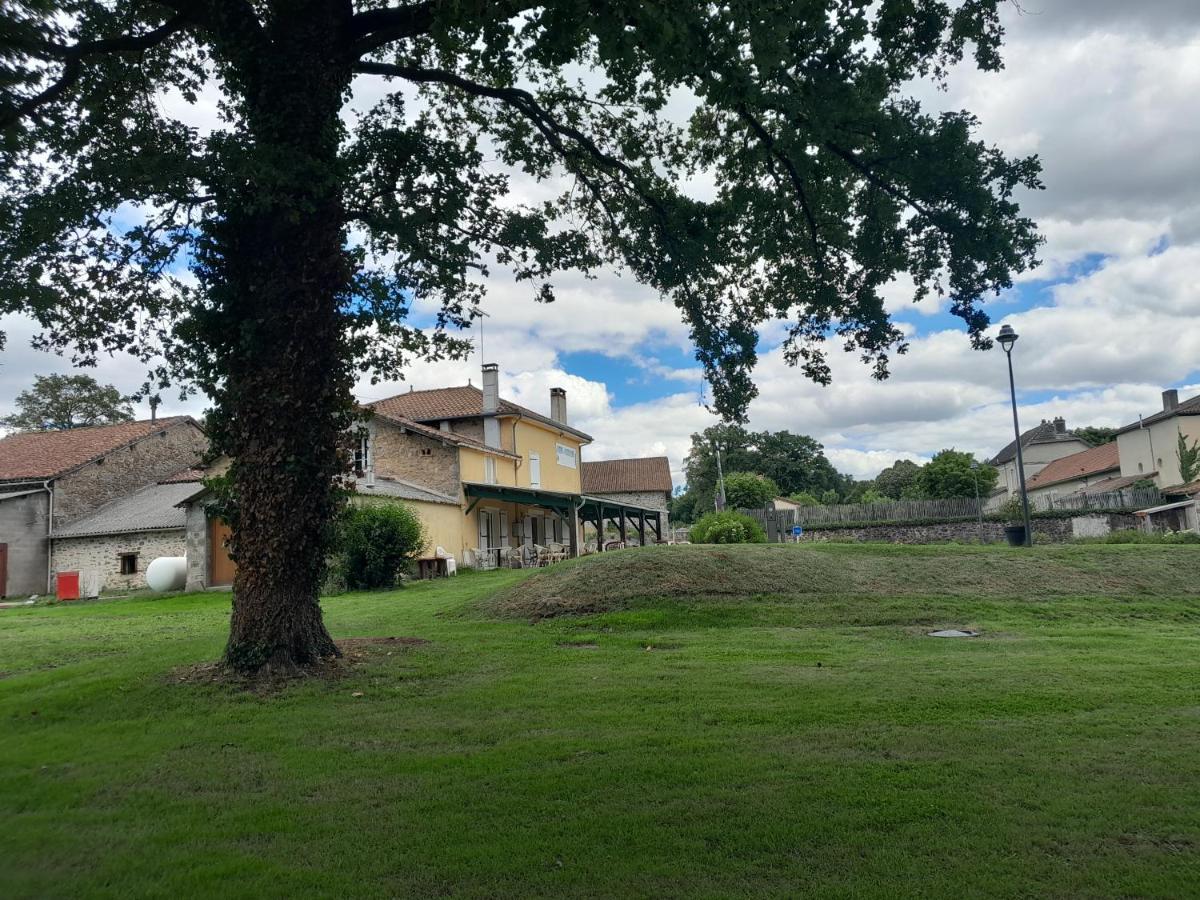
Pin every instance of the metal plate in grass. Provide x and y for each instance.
(953, 632)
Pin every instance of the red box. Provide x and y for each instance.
(68, 585)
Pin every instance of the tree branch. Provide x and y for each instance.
(72, 56)
(372, 28)
(526, 104)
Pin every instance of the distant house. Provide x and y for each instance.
(1095, 469)
(50, 479)
(640, 481)
(1149, 446)
(1040, 446)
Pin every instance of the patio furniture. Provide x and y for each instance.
(433, 567)
(557, 551)
(542, 555)
(511, 557)
(484, 558)
(614, 545)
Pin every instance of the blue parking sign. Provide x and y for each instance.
(797, 530)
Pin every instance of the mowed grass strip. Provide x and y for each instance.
(711, 743)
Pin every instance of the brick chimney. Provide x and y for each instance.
(1170, 400)
(1060, 425)
(558, 405)
(491, 404)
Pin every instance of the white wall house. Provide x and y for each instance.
(1149, 447)
(1040, 446)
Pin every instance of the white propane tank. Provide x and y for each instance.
(167, 573)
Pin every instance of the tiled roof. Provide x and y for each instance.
(462, 402)
(153, 508)
(452, 437)
(618, 476)
(1112, 484)
(1191, 488)
(184, 476)
(45, 454)
(1190, 407)
(1092, 461)
(403, 490)
(1044, 433)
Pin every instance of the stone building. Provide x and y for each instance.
(643, 481)
(111, 547)
(50, 479)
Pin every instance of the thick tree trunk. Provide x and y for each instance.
(279, 252)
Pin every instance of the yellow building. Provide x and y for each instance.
(514, 473)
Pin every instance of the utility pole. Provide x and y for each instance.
(719, 499)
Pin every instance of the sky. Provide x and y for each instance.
(1104, 91)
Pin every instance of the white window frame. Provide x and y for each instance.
(489, 469)
(563, 451)
(535, 470)
(362, 453)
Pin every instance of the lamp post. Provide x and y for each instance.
(1007, 338)
(978, 506)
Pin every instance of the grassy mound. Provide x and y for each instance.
(613, 581)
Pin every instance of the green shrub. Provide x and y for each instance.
(374, 543)
(1133, 536)
(727, 528)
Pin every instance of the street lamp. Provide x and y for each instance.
(978, 505)
(1007, 338)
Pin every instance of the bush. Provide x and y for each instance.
(1133, 536)
(375, 542)
(727, 528)
(747, 490)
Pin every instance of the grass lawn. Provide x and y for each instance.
(797, 736)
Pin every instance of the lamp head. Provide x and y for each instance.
(1007, 337)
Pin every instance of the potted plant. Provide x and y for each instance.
(1014, 521)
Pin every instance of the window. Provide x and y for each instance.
(535, 470)
(362, 453)
(565, 455)
(427, 451)
(128, 563)
(1141, 468)
(489, 469)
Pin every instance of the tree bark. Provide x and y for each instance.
(278, 253)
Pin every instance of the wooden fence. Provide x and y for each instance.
(779, 523)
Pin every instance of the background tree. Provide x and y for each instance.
(749, 490)
(1188, 454)
(1095, 435)
(949, 474)
(57, 402)
(310, 232)
(898, 480)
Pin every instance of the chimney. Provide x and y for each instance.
(1170, 400)
(558, 405)
(491, 404)
(1060, 425)
(444, 425)
(154, 401)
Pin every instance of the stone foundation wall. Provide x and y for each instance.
(1051, 531)
(102, 554)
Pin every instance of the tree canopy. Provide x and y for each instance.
(1095, 435)
(949, 474)
(57, 402)
(275, 257)
(749, 490)
(899, 481)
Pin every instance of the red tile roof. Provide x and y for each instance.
(619, 476)
(462, 402)
(1078, 465)
(45, 454)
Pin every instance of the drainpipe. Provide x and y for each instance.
(46, 486)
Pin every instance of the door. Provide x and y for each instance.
(3, 570)
(220, 567)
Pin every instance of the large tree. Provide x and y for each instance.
(950, 474)
(311, 230)
(57, 402)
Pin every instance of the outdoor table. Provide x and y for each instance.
(432, 567)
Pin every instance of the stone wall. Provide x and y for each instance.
(126, 469)
(101, 554)
(1052, 531)
(23, 529)
(415, 458)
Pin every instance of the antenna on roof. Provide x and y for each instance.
(476, 312)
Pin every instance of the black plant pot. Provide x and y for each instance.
(1015, 535)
